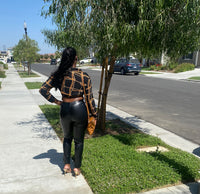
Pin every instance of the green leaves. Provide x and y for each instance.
(98, 24)
(171, 26)
(117, 168)
(26, 50)
(2, 74)
(146, 27)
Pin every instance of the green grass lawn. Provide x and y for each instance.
(195, 78)
(2, 74)
(0, 84)
(5, 66)
(24, 74)
(146, 68)
(111, 163)
(33, 85)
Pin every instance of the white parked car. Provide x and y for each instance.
(58, 60)
(2, 60)
(86, 60)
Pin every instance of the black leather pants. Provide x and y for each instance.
(74, 121)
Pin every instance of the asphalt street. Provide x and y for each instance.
(170, 104)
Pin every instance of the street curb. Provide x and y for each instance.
(41, 75)
(191, 80)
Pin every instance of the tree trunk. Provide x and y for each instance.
(24, 67)
(101, 83)
(29, 68)
(148, 65)
(102, 110)
(164, 58)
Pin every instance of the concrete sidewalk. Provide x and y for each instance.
(31, 153)
(31, 159)
(177, 76)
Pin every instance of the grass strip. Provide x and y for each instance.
(2, 74)
(33, 85)
(52, 114)
(0, 84)
(24, 74)
(5, 66)
(194, 78)
(16, 66)
(111, 163)
(146, 68)
(143, 72)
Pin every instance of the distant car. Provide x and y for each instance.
(8, 61)
(2, 60)
(58, 60)
(86, 60)
(127, 66)
(53, 62)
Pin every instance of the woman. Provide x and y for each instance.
(73, 114)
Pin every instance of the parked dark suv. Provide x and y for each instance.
(53, 62)
(127, 66)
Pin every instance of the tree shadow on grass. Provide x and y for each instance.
(131, 140)
(114, 126)
(184, 171)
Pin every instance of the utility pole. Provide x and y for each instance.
(25, 29)
(197, 58)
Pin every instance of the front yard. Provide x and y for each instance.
(112, 164)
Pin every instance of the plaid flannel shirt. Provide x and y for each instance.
(72, 87)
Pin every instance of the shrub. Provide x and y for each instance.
(5, 66)
(158, 65)
(172, 65)
(184, 67)
(158, 68)
(2, 74)
(164, 67)
(153, 67)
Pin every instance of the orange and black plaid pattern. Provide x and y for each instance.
(71, 87)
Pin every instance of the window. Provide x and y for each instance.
(188, 56)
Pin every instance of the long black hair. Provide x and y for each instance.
(67, 60)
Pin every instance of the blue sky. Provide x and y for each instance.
(13, 13)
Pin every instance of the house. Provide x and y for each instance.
(193, 58)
